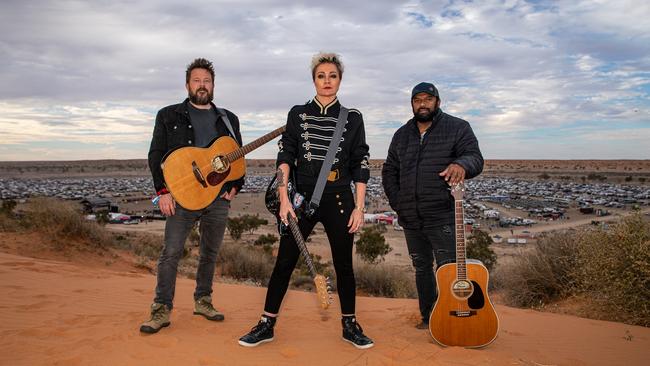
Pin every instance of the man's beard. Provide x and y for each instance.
(201, 99)
(424, 117)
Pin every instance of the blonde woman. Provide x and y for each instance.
(303, 147)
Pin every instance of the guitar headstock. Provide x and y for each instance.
(322, 291)
(457, 190)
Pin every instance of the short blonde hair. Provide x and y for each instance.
(326, 58)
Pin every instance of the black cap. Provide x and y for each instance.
(425, 87)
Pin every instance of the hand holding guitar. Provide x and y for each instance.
(228, 196)
(286, 207)
(454, 174)
(167, 204)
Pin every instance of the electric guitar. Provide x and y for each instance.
(272, 201)
(463, 314)
(194, 175)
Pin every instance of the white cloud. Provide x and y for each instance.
(98, 71)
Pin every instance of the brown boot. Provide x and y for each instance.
(203, 306)
(159, 319)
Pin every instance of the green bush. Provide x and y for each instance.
(478, 247)
(267, 239)
(236, 227)
(372, 246)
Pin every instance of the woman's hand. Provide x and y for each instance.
(356, 220)
(286, 209)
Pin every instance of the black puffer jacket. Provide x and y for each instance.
(410, 175)
(173, 129)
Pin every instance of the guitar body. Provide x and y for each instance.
(191, 177)
(463, 316)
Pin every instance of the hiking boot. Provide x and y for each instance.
(422, 325)
(353, 333)
(262, 332)
(203, 306)
(159, 319)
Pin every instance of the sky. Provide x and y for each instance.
(535, 79)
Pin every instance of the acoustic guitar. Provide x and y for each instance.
(194, 175)
(463, 314)
(272, 201)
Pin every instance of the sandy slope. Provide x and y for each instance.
(56, 313)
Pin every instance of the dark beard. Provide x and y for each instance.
(424, 117)
(200, 100)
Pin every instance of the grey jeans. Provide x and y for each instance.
(425, 246)
(212, 227)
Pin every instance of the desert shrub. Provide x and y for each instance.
(541, 275)
(236, 227)
(8, 220)
(613, 270)
(319, 266)
(266, 239)
(253, 222)
(372, 246)
(478, 247)
(244, 262)
(385, 281)
(608, 268)
(63, 220)
(7, 206)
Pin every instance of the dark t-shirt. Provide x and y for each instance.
(204, 122)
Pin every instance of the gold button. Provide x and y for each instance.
(341, 211)
(337, 196)
(340, 203)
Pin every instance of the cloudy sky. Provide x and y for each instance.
(536, 79)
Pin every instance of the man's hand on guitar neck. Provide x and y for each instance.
(167, 204)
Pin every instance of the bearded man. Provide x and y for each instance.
(194, 122)
(430, 152)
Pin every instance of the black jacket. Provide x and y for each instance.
(410, 175)
(304, 145)
(173, 129)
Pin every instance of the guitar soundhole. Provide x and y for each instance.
(462, 289)
(220, 164)
(215, 178)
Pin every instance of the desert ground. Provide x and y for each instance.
(78, 313)
(79, 309)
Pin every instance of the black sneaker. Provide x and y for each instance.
(353, 333)
(262, 332)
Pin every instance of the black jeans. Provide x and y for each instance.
(425, 246)
(334, 212)
(177, 228)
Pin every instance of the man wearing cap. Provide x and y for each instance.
(427, 154)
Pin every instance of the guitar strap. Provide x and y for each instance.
(327, 163)
(226, 121)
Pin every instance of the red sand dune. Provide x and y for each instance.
(56, 313)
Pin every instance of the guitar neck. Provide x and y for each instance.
(295, 230)
(461, 261)
(239, 153)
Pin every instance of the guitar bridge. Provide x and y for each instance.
(462, 313)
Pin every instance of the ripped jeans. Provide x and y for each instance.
(426, 246)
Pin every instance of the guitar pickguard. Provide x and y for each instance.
(477, 300)
(215, 178)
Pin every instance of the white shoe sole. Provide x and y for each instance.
(357, 346)
(242, 343)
